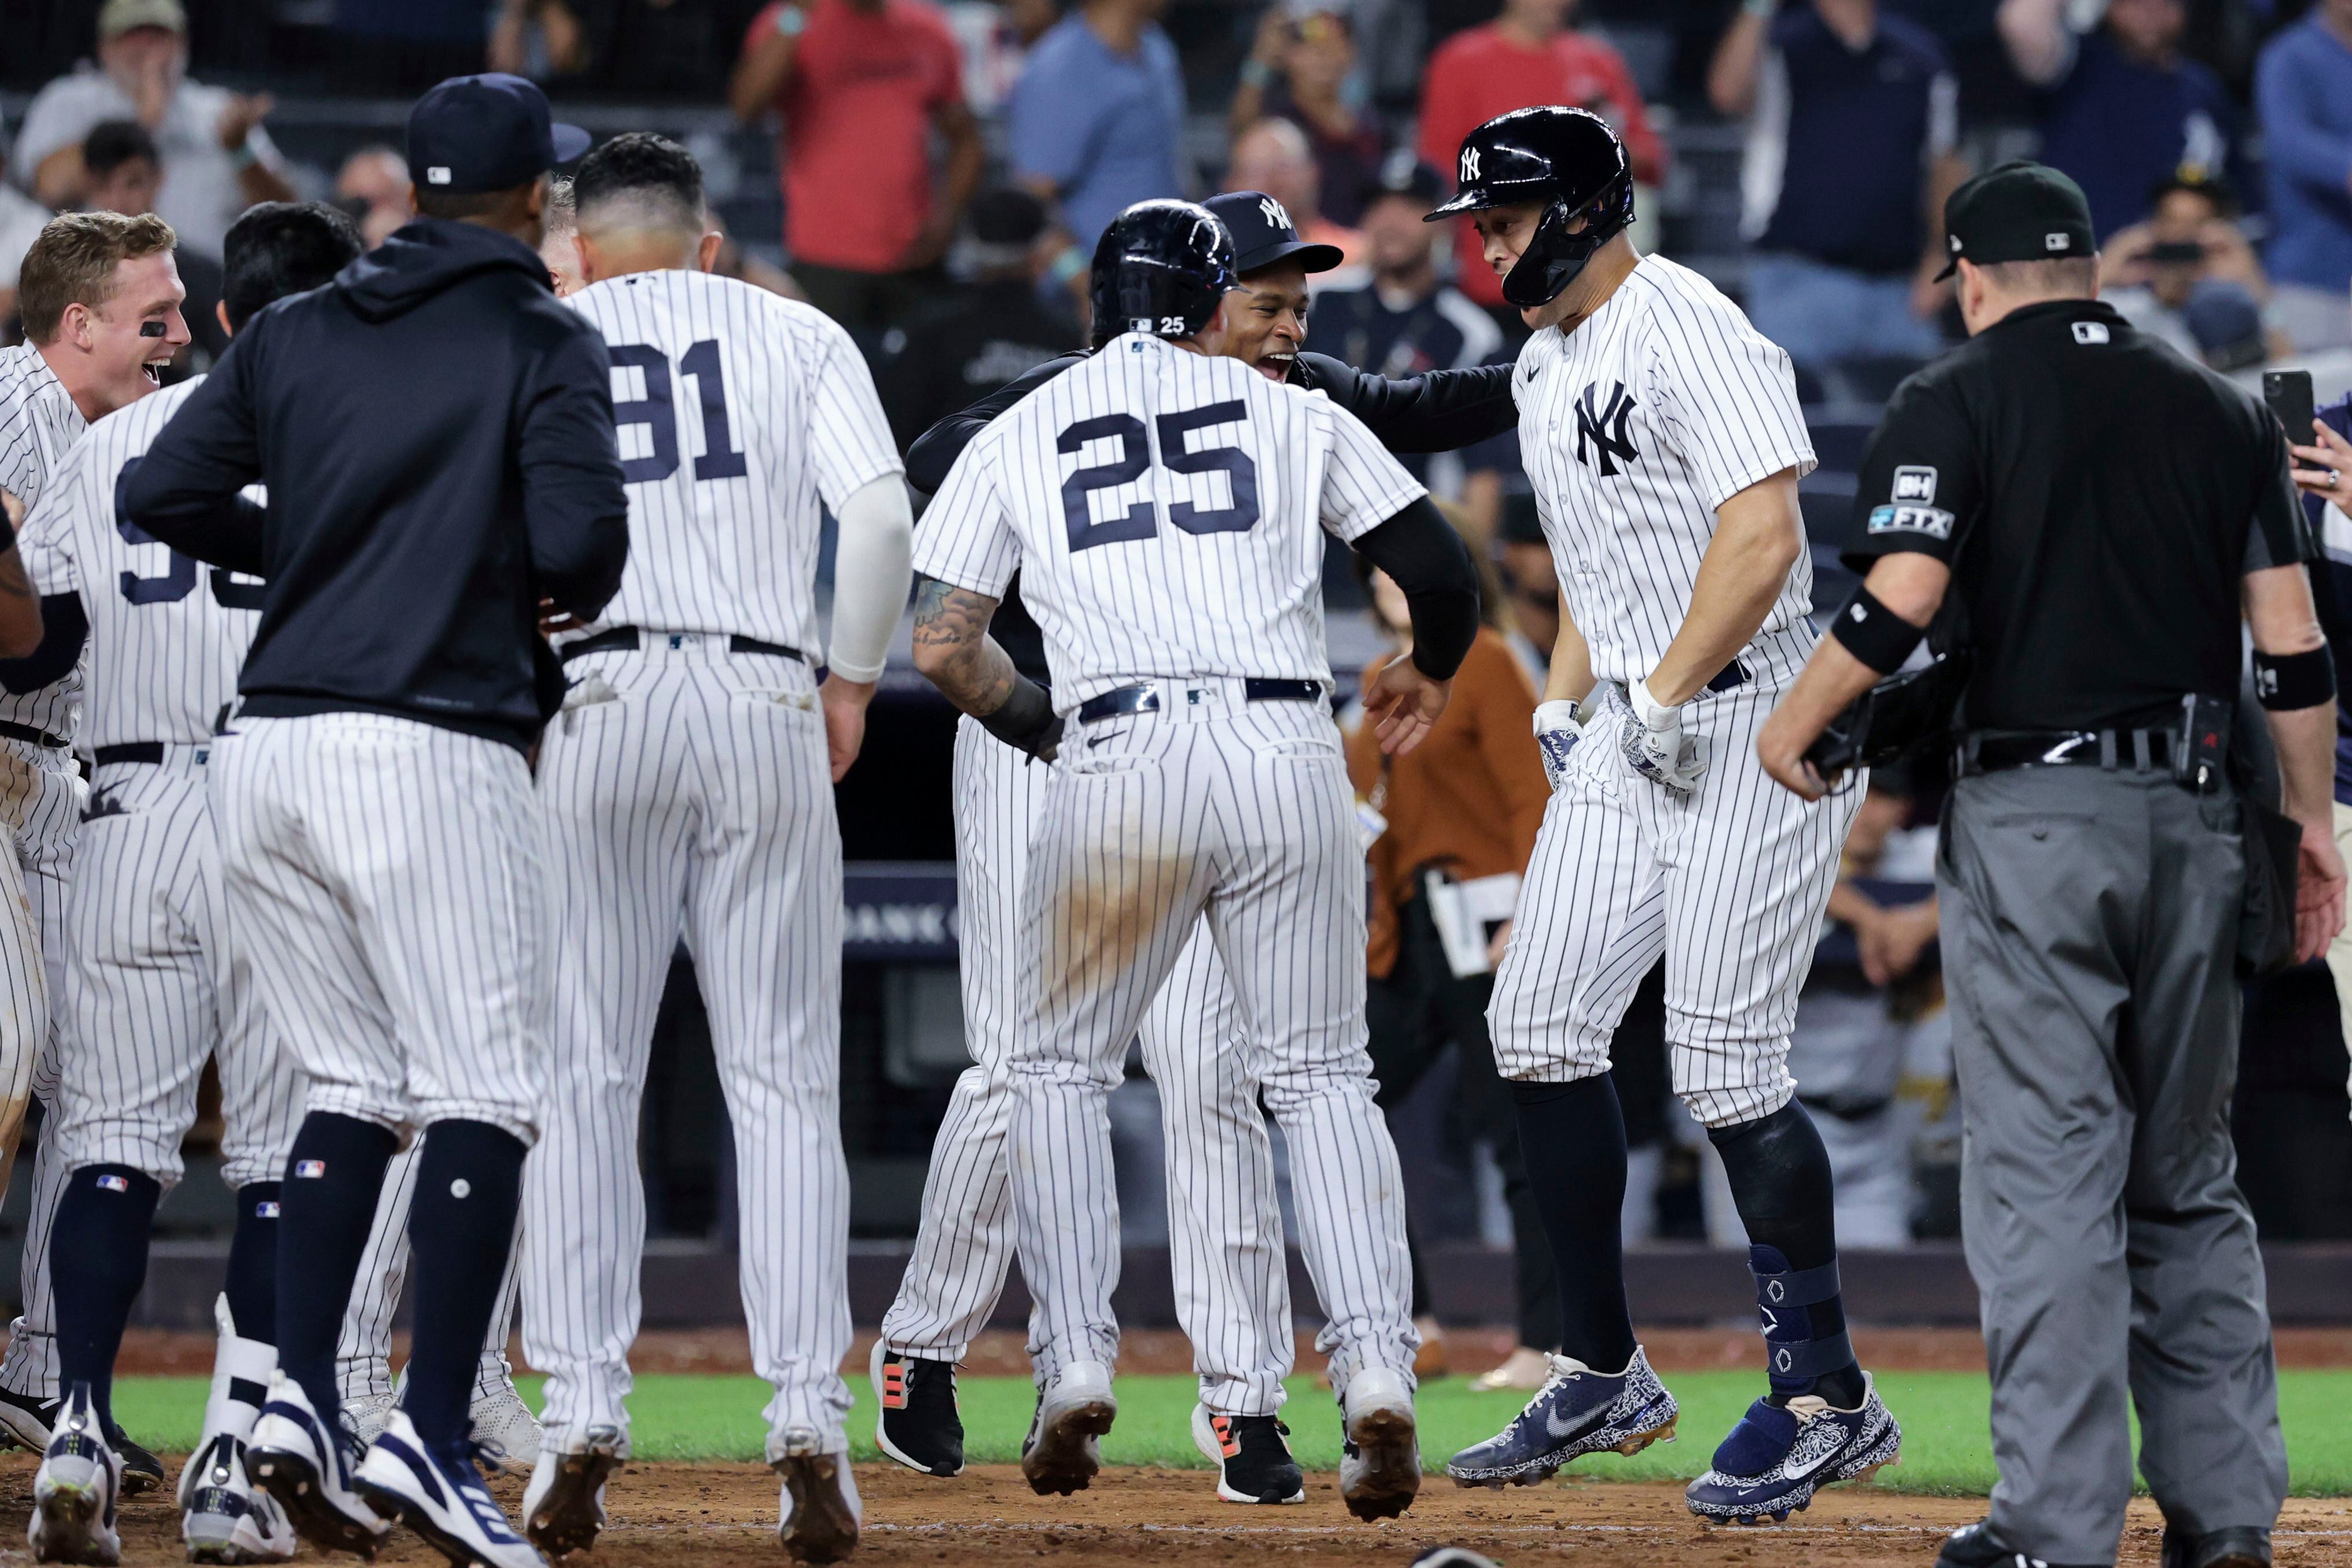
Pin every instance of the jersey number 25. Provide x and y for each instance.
(1134, 460)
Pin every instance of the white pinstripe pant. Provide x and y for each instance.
(1233, 1288)
(1728, 882)
(41, 796)
(384, 877)
(152, 992)
(1241, 811)
(697, 802)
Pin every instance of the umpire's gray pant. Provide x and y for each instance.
(2089, 927)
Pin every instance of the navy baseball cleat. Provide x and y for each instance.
(1578, 1411)
(1778, 1456)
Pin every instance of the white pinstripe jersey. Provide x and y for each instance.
(738, 410)
(167, 634)
(38, 421)
(1160, 506)
(1659, 407)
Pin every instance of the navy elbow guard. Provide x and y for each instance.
(1874, 634)
(2286, 681)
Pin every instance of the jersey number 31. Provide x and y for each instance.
(1140, 520)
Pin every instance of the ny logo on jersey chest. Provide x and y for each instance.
(1604, 426)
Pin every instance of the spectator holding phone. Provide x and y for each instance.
(2188, 268)
(2303, 92)
(1297, 70)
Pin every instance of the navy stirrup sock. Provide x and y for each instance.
(326, 1205)
(1573, 1137)
(460, 1228)
(97, 1261)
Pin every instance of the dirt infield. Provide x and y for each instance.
(701, 1516)
(1468, 1351)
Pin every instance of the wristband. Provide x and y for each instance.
(1874, 634)
(2286, 681)
(1025, 720)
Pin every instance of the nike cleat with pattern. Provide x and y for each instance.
(1578, 1411)
(1062, 1451)
(563, 1507)
(305, 1461)
(1379, 1445)
(436, 1490)
(224, 1517)
(822, 1511)
(1252, 1456)
(917, 1421)
(1777, 1458)
(75, 1489)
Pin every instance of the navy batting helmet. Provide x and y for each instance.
(1568, 160)
(1161, 268)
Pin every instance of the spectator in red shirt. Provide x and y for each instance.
(1526, 57)
(861, 85)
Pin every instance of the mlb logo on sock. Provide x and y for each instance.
(265, 1209)
(309, 1167)
(113, 1185)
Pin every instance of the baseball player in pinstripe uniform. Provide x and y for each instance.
(686, 787)
(151, 990)
(1664, 442)
(100, 297)
(1176, 578)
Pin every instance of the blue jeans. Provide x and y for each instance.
(1820, 313)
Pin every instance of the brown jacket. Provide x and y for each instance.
(1470, 797)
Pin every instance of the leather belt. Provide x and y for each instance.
(628, 639)
(2137, 751)
(31, 736)
(129, 752)
(1144, 697)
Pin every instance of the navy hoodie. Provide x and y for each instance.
(435, 434)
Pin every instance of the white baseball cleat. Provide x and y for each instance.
(224, 1517)
(440, 1495)
(508, 1431)
(821, 1509)
(306, 1461)
(563, 1507)
(364, 1415)
(1380, 1454)
(74, 1492)
(1061, 1454)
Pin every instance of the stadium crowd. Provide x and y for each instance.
(941, 170)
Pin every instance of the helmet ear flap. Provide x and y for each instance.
(1555, 256)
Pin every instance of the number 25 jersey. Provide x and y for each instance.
(737, 411)
(1162, 508)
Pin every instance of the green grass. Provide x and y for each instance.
(1943, 1414)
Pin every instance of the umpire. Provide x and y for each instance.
(2100, 514)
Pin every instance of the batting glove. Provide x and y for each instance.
(1559, 726)
(1651, 737)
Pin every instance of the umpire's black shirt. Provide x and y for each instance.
(2098, 497)
(436, 433)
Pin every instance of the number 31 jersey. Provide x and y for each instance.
(1162, 507)
(167, 634)
(738, 412)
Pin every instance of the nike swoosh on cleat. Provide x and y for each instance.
(1796, 1474)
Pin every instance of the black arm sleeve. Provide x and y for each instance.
(1419, 549)
(63, 628)
(937, 448)
(227, 534)
(184, 491)
(1435, 411)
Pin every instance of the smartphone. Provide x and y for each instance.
(2176, 253)
(2288, 392)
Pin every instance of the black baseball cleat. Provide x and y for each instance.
(141, 1470)
(917, 1421)
(2240, 1546)
(24, 1421)
(1252, 1460)
(1976, 1546)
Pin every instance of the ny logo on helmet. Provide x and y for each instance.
(1273, 213)
(1605, 429)
(1469, 165)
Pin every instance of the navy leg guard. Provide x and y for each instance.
(1804, 1322)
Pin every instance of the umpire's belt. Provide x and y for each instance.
(32, 737)
(1151, 697)
(2135, 751)
(628, 639)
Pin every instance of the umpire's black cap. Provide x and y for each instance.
(2019, 212)
(1263, 233)
(487, 133)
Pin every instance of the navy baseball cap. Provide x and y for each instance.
(1403, 175)
(487, 133)
(1263, 235)
(2020, 212)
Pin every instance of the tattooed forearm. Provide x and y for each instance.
(954, 651)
